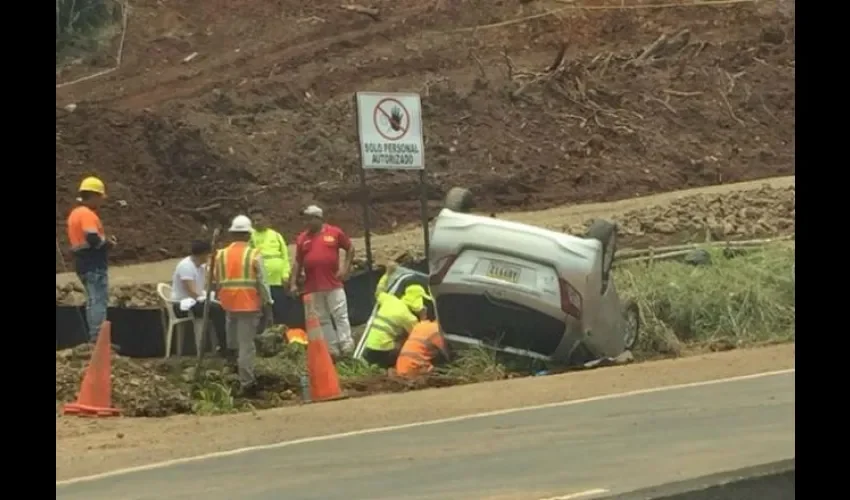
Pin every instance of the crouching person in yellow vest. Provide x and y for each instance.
(275, 255)
(424, 348)
(394, 320)
(239, 278)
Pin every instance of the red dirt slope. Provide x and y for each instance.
(263, 114)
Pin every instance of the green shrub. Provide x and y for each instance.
(213, 398)
(79, 23)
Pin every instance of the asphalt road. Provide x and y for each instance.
(618, 445)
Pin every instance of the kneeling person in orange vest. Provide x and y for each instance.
(424, 348)
(239, 277)
(394, 320)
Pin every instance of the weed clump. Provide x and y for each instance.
(738, 301)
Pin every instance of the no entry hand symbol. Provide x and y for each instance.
(391, 119)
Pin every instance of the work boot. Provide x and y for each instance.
(333, 350)
(347, 349)
(249, 390)
(228, 355)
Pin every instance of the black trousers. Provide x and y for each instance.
(288, 310)
(279, 309)
(384, 359)
(217, 319)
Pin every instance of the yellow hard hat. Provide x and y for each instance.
(94, 185)
(414, 297)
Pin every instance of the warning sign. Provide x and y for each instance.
(390, 128)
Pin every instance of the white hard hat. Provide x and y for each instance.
(240, 224)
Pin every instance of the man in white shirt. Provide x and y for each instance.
(189, 282)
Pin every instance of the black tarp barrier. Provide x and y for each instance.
(139, 332)
(70, 326)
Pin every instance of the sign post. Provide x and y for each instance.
(389, 126)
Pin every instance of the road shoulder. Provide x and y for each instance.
(85, 447)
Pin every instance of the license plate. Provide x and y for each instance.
(503, 272)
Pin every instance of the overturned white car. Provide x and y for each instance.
(526, 290)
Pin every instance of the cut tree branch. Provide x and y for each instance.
(372, 12)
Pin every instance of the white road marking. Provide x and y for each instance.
(580, 494)
(376, 430)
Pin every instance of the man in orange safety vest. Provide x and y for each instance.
(241, 289)
(91, 247)
(424, 347)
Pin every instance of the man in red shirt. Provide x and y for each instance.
(317, 254)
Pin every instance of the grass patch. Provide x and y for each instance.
(734, 302)
(476, 364)
(356, 368)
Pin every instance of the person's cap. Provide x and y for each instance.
(313, 211)
(241, 224)
(200, 247)
(414, 297)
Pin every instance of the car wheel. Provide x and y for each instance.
(459, 199)
(606, 233)
(631, 315)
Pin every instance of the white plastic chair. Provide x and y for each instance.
(174, 322)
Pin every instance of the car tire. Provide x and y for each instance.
(459, 199)
(631, 317)
(606, 233)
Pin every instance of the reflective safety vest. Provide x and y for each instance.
(392, 322)
(383, 285)
(420, 349)
(275, 254)
(81, 221)
(237, 278)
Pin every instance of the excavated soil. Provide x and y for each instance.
(158, 388)
(139, 387)
(571, 106)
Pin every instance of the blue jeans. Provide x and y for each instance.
(96, 285)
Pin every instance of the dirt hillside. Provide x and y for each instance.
(572, 106)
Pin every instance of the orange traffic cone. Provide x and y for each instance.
(95, 398)
(324, 382)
